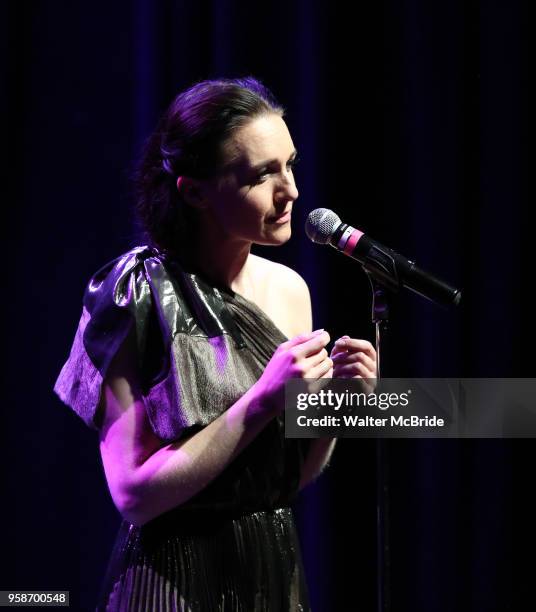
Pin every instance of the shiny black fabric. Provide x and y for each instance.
(166, 308)
(233, 546)
(246, 564)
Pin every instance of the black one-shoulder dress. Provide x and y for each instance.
(233, 546)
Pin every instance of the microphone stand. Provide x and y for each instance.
(380, 318)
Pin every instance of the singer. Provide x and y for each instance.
(180, 361)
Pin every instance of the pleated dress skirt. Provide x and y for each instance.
(177, 562)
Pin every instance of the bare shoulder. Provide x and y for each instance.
(279, 275)
(287, 298)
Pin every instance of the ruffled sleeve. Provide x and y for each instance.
(116, 298)
(190, 351)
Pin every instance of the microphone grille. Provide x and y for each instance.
(320, 225)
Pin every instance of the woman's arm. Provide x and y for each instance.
(352, 358)
(320, 449)
(317, 460)
(147, 479)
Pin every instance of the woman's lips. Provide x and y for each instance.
(284, 218)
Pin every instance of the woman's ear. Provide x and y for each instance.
(192, 192)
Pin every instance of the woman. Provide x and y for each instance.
(180, 362)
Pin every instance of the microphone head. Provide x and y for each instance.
(320, 225)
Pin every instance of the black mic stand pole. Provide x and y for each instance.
(380, 318)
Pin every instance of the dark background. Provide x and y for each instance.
(411, 119)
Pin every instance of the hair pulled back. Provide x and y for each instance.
(189, 140)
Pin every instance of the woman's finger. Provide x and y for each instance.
(312, 345)
(352, 369)
(315, 359)
(353, 345)
(345, 358)
(321, 370)
(302, 338)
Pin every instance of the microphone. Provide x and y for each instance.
(387, 267)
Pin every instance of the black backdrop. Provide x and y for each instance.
(411, 118)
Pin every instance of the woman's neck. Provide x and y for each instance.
(222, 260)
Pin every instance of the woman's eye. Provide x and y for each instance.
(262, 177)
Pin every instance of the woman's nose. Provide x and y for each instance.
(288, 187)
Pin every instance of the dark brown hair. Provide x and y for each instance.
(189, 140)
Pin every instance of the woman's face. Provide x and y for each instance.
(252, 197)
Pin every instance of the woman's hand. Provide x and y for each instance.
(303, 356)
(353, 358)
